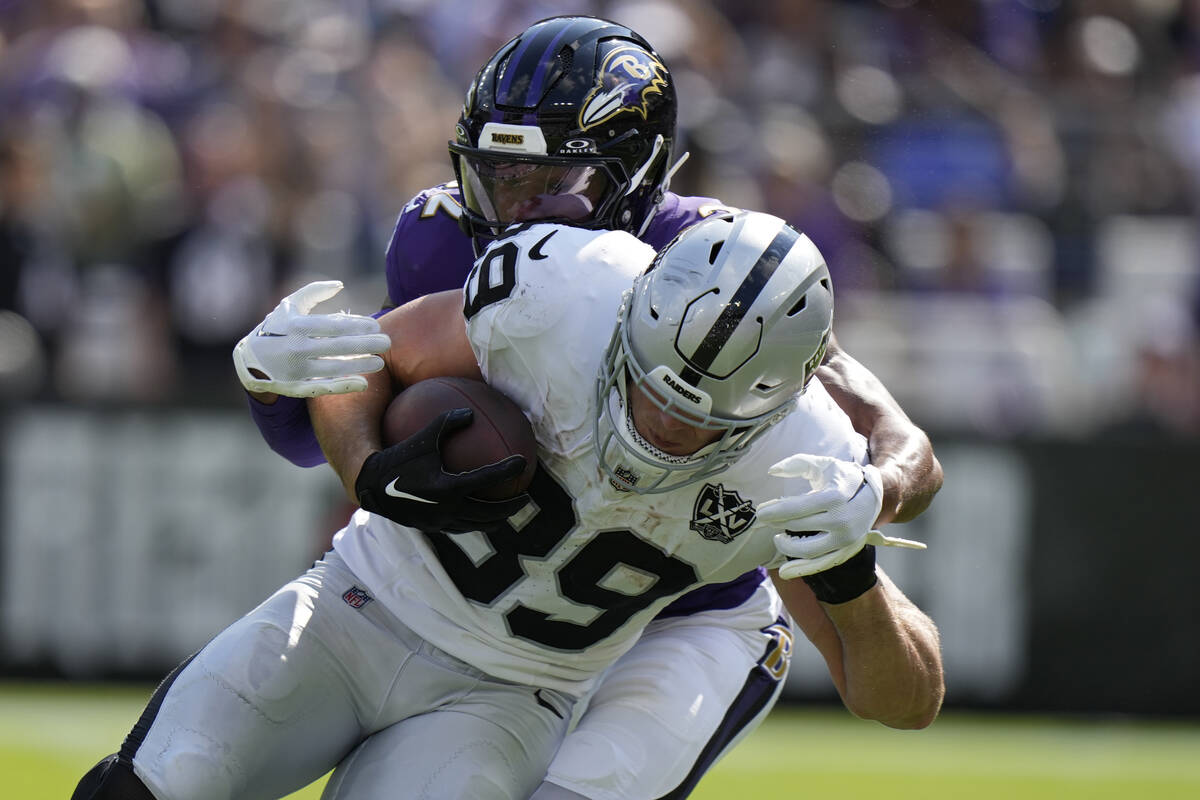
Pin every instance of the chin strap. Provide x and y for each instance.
(666, 181)
(636, 178)
(662, 187)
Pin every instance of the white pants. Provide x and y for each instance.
(308, 681)
(287, 692)
(690, 689)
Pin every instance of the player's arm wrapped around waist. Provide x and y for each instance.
(828, 536)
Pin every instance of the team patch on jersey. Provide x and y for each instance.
(779, 652)
(627, 79)
(720, 514)
(356, 597)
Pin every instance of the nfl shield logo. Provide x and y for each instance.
(356, 597)
(720, 514)
(628, 476)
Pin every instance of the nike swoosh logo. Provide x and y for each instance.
(536, 253)
(392, 491)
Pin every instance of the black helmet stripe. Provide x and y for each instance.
(534, 60)
(752, 286)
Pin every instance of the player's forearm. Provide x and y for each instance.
(348, 426)
(265, 398)
(287, 430)
(910, 471)
(810, 617)
(891, 658)
(899, 449)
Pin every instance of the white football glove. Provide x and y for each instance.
(840, 511)
(306, 355)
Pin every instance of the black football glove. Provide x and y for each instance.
(408, 484)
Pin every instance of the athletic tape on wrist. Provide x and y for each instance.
(847, 580)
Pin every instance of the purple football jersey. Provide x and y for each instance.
(430, 253)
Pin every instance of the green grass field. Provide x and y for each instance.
(51, 734)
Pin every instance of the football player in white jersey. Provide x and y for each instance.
(659, 683)
(432, 664)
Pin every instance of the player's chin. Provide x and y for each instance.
(680, 448)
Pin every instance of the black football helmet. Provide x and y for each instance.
(572, 121)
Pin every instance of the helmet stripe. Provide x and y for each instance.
(737, 307)
(545, 63)
(510, 72)
(541, 69)
(533, 62)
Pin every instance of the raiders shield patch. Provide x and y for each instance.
(719, 514)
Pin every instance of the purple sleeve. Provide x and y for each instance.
(676, 213)
(287, 429)
(428, 253)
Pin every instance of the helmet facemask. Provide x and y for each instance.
(572, 121)
(723, 332)
(501, 186)
(634, 464)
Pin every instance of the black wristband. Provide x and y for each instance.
(847, 580)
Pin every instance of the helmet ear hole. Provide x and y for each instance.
(566, 57)
(715, 251)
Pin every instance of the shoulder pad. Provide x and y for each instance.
(534, 275)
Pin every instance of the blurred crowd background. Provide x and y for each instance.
(1006, 190)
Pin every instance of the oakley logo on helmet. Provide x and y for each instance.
(578, 146)
(627, 79)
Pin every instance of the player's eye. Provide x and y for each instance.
(504, 170)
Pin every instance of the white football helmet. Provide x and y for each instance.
(725, 327)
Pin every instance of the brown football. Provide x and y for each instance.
(498, 430)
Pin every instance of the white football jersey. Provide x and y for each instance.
(568, 587)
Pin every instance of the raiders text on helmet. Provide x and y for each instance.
(723, 331)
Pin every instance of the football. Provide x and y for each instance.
(498, 430)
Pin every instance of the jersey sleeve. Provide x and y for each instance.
(677, 213)
(541, 306)
(287, 429)
(428, 252)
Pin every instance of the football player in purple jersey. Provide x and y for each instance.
(574, 120)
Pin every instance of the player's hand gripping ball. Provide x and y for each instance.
(460, 455)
